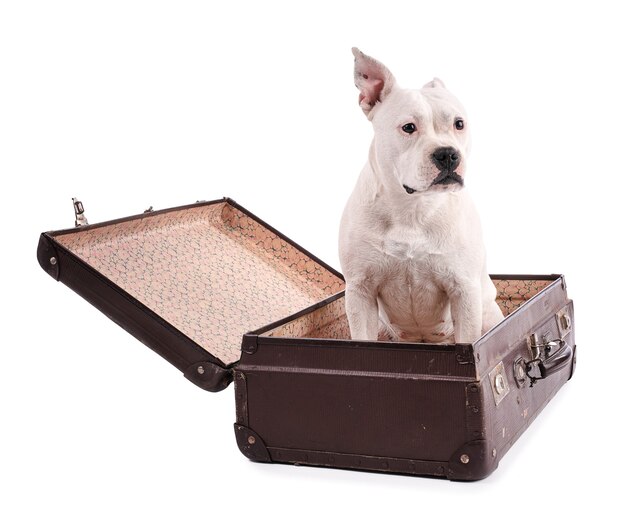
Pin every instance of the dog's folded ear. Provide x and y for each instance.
(373, 80)
(435, 83)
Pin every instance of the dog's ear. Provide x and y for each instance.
(435, 83)
(373, 80)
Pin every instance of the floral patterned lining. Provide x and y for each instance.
(331, 321)
(210, 271)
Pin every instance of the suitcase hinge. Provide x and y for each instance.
(209, 376)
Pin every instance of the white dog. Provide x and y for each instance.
(410, 241)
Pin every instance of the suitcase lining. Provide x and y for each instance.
(331, 322)
(210, 271)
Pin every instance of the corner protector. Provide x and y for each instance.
(249, 344)
(48, 257)
(209, 376)
(251, 445)
(464, 353)
(473, 461)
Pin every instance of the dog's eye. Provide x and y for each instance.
(459, 124)
(409, 128)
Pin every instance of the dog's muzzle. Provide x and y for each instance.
(447, 159)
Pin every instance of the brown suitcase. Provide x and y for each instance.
(188, 281)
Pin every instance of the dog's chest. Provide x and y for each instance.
(409, 289)
(409, 248)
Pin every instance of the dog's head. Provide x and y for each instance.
(421, 137)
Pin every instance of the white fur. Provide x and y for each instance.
(416, 260)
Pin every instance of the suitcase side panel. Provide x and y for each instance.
(359, 405)
(512, 418)
(512, 404)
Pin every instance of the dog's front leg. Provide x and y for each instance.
(362, 311)
(466, 310)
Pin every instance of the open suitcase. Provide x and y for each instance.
(189, 281)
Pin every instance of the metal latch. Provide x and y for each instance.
(548, 356)
(564, 322)
(79, 213)
(542, 348)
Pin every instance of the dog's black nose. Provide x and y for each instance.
(446, 158)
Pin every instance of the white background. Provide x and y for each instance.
(130, 104)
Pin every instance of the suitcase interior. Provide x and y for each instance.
(330, 321)
(212, 271)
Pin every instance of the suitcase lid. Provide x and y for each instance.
(190, 281)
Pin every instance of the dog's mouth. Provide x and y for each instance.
(446, 178)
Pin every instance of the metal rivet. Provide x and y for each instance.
(251, 440)
(499, 383)
(519, 371)
(464, 459)
(473, 388)
(201, 370)
(494, 452)
(53, 261)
